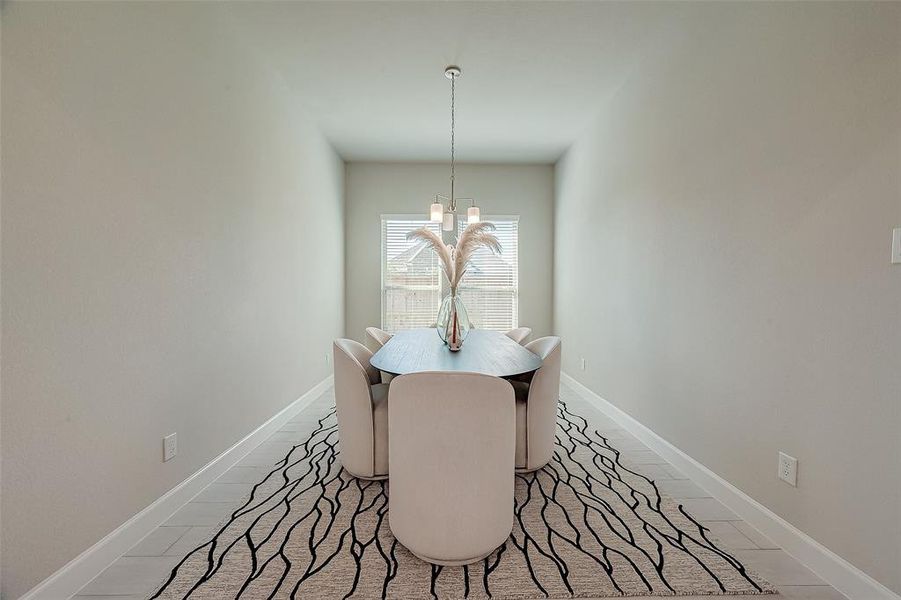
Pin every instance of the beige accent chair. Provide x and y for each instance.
(520, 334)
(451, 459)
(536, 407)
(375, 339)
(362, 403)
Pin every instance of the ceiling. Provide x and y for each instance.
(372, 73)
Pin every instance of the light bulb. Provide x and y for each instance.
(472, 214)
(448, 224)
(435, 212)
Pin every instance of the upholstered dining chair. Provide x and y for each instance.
(362, 403)
(536, 407)
(375, 339)
(520, 334)
(451, 459)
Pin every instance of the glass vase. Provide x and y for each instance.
(453, 322)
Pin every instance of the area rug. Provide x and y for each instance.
(585, 526)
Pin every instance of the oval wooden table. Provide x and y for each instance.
(488, 352)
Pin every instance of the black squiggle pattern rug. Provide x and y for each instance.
(585, 526)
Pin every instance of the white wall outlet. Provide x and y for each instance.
(170, 446)
(788, 469)
(896, 246)
(327, 358)
(582, 362)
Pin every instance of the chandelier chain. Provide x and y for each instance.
(453, 201)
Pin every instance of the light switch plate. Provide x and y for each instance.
(896, 246)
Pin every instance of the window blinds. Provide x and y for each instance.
(411, 276)
(490, 288)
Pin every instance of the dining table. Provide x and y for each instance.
(484, 351)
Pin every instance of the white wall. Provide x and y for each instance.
(172, 260)
(722, 258)
(374, 189)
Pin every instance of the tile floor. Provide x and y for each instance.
(137, 574)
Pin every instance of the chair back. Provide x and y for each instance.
(544, 392)
(520, 334)
(353, 400)
(451, 459)
(376, 338)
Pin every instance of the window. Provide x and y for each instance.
(490, 288)
(411, 275)
(413, 283)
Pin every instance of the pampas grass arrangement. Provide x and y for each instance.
(455, 259)
(453, 322)
(475, 236)
(433, 240)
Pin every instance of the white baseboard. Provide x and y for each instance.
(90, 563)
(829, 566)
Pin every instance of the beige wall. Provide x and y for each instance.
(172, 261)
(374, 189)
(722, 259)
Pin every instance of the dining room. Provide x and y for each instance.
(446, 300)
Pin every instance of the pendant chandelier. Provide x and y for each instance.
(438, 213)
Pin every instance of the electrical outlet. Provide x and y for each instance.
(788, 469)
(326, 358)
(582, 360)
(170, 446)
